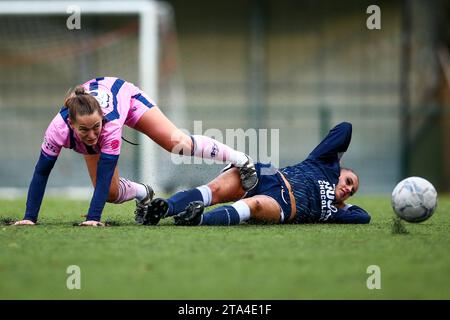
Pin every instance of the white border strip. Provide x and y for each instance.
(60, 7)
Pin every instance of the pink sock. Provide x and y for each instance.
(127, 190)
(205, 147)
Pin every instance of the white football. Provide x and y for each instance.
(414, 199)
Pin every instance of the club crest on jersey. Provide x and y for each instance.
(115, 144)
(102, 97)
(214, 150)
(327, 197)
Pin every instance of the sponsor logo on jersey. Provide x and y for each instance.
(115, 144)
(327, 197)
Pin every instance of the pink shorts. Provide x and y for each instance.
(137, 110)
(140, 104)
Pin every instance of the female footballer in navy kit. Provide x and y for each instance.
(312, 191)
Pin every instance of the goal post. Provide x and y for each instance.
(147, 52)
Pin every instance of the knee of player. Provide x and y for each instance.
(256, 206)
(214, 187)
(112, 197)
(215, 192)
(180, 143)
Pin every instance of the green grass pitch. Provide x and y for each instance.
(127, 261)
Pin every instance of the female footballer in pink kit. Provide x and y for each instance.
(91, 122)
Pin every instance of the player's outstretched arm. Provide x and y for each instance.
(105, 171)
(350, 214)
(37, 188)
(332, 147)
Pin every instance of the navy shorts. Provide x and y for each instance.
(271, 184)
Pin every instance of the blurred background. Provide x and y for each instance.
(297, 66)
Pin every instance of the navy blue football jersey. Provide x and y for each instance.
(313, 181)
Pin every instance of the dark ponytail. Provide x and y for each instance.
(79, 90)
(81, 103)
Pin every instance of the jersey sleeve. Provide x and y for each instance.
(351, 214)
(55, 136)
(105, 171)
(332, 147)
(111, 138)
(37, 186)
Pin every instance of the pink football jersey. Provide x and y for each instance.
(122, 104)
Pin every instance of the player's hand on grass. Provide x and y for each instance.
(23, 223)
(92, 223)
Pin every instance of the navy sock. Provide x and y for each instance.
(179, 201)
(222, 216)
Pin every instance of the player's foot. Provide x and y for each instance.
(248, 175)
(192, 216)
(156, 210)
(141, 206)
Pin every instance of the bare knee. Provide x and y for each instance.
(180, 143)
(214, 187)
(112, 196)
(256, 206)
(215, 191)
(264, 209)
(113, 193)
